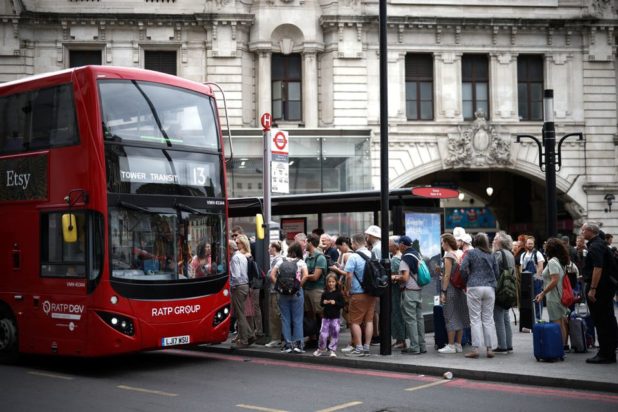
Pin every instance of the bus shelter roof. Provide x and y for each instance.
(333, 202)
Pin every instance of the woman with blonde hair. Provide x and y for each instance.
(452, 298)
(253, 310)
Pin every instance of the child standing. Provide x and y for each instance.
(332, 302)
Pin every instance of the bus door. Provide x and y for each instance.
(66, 268)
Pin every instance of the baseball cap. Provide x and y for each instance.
(405, 240)
(458, 232)
(466, 238)
(374, 231)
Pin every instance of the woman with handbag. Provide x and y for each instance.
(452, 298)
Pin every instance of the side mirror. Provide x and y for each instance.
(69, 228)
(259, 226)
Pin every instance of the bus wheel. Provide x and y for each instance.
(8, 337)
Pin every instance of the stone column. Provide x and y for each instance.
(263, 86)
(447, 69)
(310, 89)
(503, 87)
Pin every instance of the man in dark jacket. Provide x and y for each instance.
(600, 293)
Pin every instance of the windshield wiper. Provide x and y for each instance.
(185, 208)
(131, 206)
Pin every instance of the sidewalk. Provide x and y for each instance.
(520, 366)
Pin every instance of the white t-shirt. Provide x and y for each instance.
(526, 257)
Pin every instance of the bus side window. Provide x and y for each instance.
(59, 258)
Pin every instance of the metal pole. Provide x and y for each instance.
(265, 304)
(549, 142)
(385, 300)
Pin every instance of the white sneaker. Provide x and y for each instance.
(318, 352)
(448, 349)
(347, 349)
(332, 354)
(458, 348)
(273, 344)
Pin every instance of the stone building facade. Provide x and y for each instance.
(464, 80)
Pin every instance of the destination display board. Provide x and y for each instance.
(149, 171)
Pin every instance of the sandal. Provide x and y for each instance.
(472, 355)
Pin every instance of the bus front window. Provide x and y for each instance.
(148, 112)
(164, 245)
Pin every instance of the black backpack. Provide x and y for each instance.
(506, 290)
(255, 274)
(288, 277)
(375, 279)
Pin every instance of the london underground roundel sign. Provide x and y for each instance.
(435, 192)
(280, 142)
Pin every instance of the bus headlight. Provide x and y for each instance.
(121, 323)
(221, 315)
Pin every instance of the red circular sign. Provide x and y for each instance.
(280, 141)
(266, 120)
(435, 192)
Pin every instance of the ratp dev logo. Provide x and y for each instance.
(46, 307)
(63, 310)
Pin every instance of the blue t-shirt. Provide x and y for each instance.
(356, 265)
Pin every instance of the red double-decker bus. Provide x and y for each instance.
(112, 181)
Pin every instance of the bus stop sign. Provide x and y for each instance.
(266, 120)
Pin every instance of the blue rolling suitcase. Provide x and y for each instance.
(548, 345)
(439, 327)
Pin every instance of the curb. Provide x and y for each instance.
(504, 377)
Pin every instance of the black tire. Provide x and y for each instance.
(9, 344)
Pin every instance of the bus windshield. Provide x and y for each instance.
(148, 112)
(166, 245)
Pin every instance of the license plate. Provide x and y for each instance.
(176, 340)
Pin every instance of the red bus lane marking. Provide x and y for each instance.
(535, 391)
(299, 365)
(518, 389)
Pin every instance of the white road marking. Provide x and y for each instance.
(259, 408)
(340, 407)
(132, 388)
(51, 375)
(429, 385)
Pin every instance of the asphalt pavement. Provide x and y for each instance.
(519, 366)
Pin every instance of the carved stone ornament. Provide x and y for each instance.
(601, 8)
(478, 145)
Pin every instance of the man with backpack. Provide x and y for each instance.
(532, 261)
(411, 300)
(313, 288)
(288, 276)
(600, 290)
(362, 304)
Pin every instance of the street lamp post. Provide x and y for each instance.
(385, 301)
(550, 161)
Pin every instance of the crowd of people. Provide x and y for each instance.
(315, 285)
